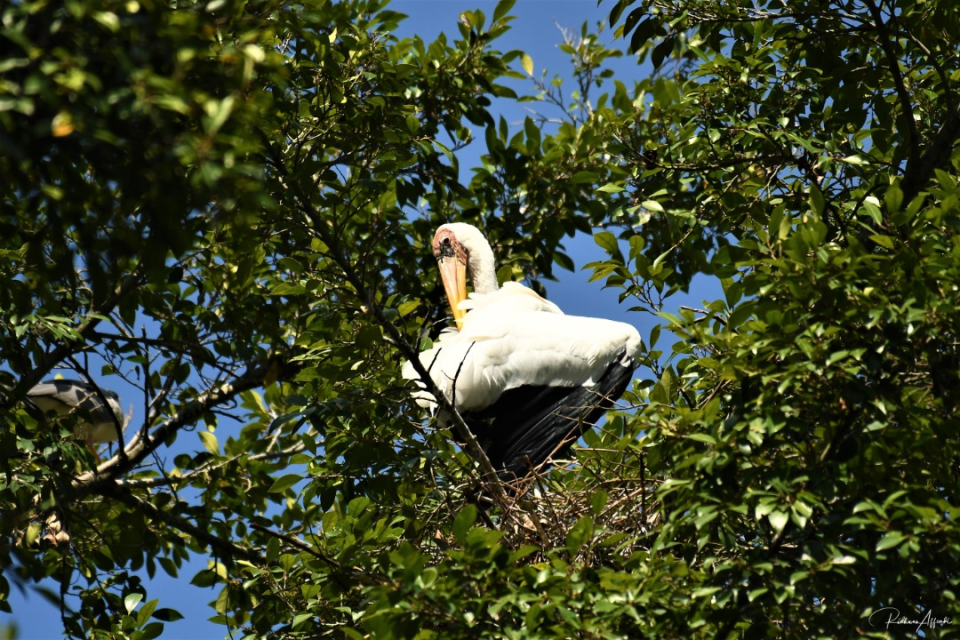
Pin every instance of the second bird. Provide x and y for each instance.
(97, 421)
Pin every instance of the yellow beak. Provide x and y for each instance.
(453, 272)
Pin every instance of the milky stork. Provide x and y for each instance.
(527, 379)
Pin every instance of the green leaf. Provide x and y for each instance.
(778, 520)
(151, 631)
(856, 160)
(756, 593)
(413, 124)
(799, 576)
(598, 500)
(947, 181)
(146, 611)
(610, 187)
(218, 112)
(583, 177)
(209, 441)
(273, 549)
(608, 242)
(670, 382)
(299, 619)
(463, 522)
(406, 308)
(533, 134)
(131, 600)
(884, 241)
(889, 540)
(563, 260)
(817, 203)
(873, 211)
(108, 19)
(290, 264)
(652, 205)
(654, 336)
(893, 198)
(502, 8)
(505, 274)
(527, 62)
(702, 437)
(284, 482)
(580, 533)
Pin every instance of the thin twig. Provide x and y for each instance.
(336, 566)
(224, 547)
(906, 103)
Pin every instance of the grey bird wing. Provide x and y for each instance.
(69, 396)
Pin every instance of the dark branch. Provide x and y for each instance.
(85, 330)
(223, 548)
(369, 299)
(902, 93)
(918, 174)
(333, 564)
(140, 448)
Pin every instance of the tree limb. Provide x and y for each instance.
(224, 548)
(919, 173)
(330, 239)
(902, 93)
(463, 431)
(207, 467)
(140, 448)
(85, 330)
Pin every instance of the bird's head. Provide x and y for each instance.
(462, 251)
(452, 260)
(114, 401)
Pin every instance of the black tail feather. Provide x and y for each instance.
(529, 425)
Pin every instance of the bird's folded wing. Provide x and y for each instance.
(534, 349)
(529, 424)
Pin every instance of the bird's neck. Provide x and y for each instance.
(482, 271)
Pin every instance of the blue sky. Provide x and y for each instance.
(535, 31)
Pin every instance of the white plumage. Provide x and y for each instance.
(513, 338)
(526, 378)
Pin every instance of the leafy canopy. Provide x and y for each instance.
(220, 209)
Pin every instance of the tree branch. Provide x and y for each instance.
(85, 330)
(140, 448)
(902, 92)
(335, 566)
(143, 444)
(463, 431)
(208, 467)
(223, 548)
(919, 173)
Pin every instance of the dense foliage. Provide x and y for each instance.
(224, 206)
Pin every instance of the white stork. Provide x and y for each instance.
(98, 422)
(527, 379)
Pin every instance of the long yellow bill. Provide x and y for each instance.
(453, 272)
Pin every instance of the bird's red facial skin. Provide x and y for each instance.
(452, 260)
(445, 245)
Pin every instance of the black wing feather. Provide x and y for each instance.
(528, 425)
